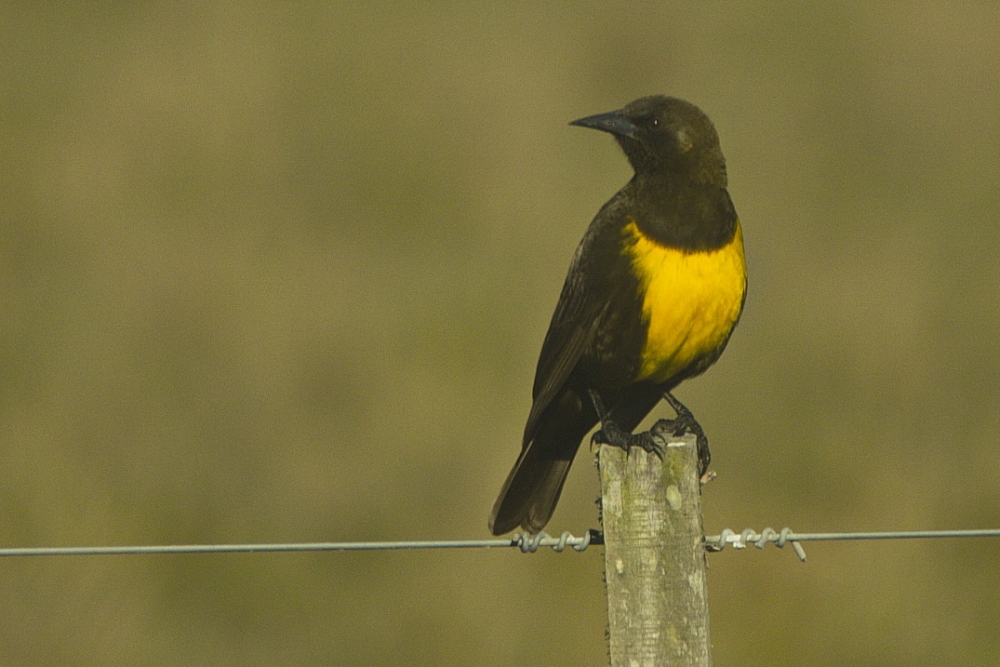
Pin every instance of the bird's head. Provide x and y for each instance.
(665, 135)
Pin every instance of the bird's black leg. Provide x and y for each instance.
(614, 435)
(684, 423)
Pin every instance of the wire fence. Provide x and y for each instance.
(524, 542)
(787, 535)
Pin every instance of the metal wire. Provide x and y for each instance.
(768, 535)
(526, 543)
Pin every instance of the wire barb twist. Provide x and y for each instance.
(750, 536)
(528, 543)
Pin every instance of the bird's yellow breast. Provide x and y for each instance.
(691, 301)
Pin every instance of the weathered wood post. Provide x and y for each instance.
(655, 557)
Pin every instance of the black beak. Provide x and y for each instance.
(614, 122)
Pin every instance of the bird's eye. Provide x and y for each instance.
(655, 122)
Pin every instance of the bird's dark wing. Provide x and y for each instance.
(591, 291)
(571, 333)
(586, 324)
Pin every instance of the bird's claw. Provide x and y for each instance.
(613, 435)
(684, 424)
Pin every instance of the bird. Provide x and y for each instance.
(653, 294)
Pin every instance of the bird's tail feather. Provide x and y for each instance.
(532, 489)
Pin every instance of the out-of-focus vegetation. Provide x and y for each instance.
(278, 272)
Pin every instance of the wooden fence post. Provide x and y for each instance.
(654, 557)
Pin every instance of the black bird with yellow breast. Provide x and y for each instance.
(652, 295)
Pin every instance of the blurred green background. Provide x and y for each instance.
(280, 272)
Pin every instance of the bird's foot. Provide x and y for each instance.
(614, 435)
(684, 423)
